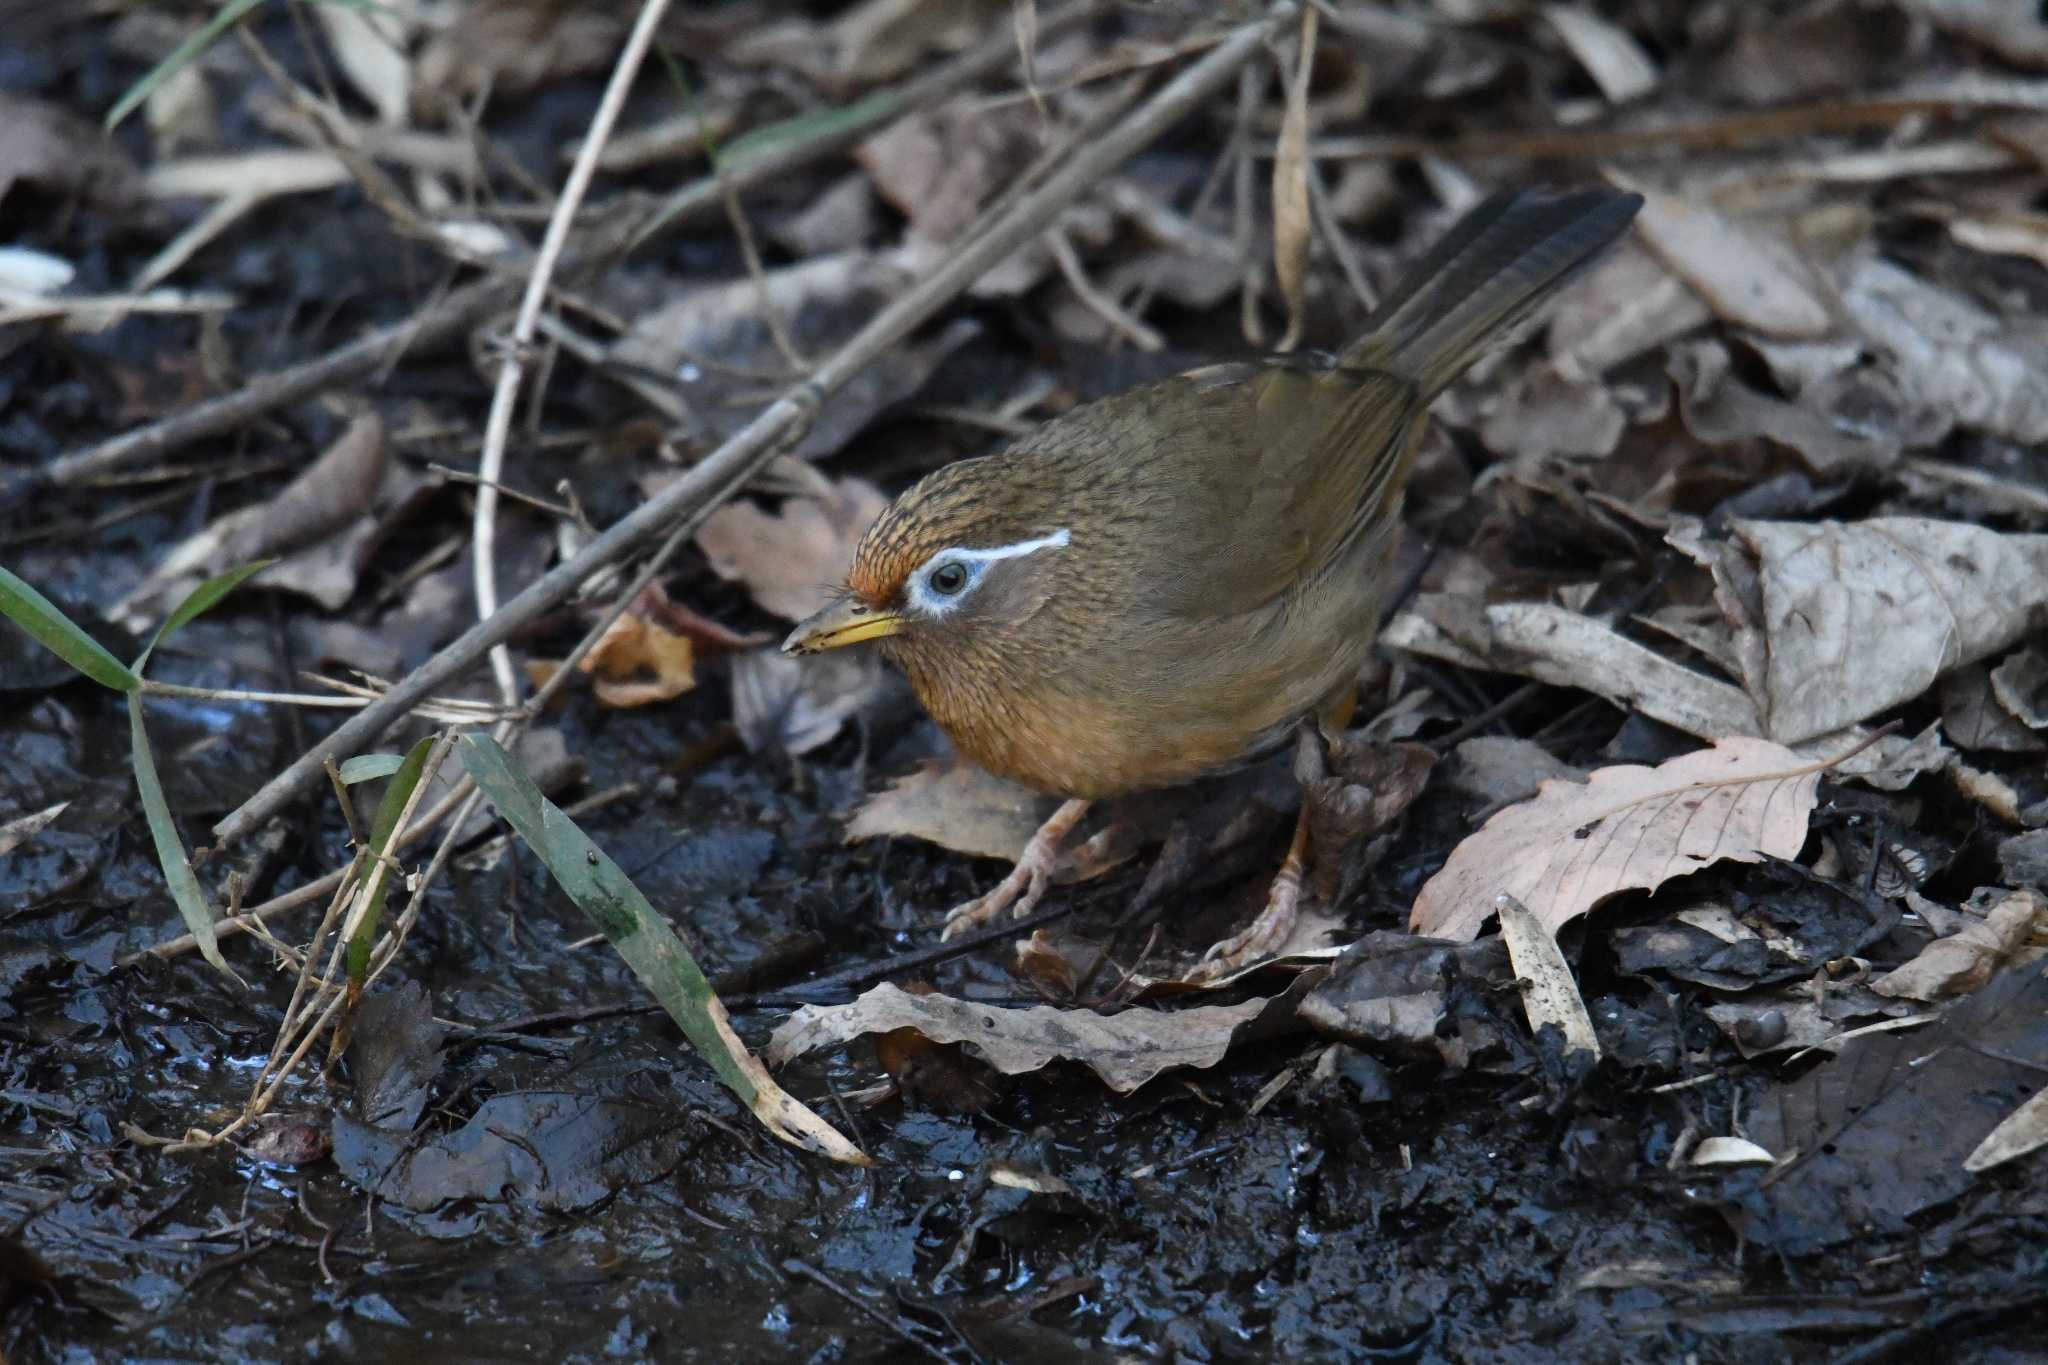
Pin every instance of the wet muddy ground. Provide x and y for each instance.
(519, 1158)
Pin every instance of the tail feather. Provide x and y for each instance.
(1495, 268)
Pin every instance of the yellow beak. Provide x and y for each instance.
(842, 623)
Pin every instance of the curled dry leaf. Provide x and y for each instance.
(1290, 186)
(1125, 1050)
(1628, 827)
(1965, 960)
(1859, 617)
(316, 521)
(1952, 355)
(792, 560)
(796, 705)
(1610, 54)
(1747, 272)
(637, 661)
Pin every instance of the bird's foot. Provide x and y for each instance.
(1020, 890)
(1275, 922)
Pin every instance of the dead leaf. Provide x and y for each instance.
(1862, 616)
(1747, 272)
(41, 144)
(793, 706)
(2022, 1131)
(1952, 355)
(1628, 827)
(370, 46)
(2021, 686)
(961, 807)
(939, 168)
(1290, 186)
(329, 497)
(1965, 960)
(793, 560)
(638, 661)
(1974, 718)
(2008, 29)
(1608, 52)
(1125, 1050)
(1550, 994)
(512, 47)
(14, 831)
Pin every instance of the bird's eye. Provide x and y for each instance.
(949, 578)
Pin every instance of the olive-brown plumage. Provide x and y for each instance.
(1157, 584)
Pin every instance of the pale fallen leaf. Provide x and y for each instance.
(1627, 828)
(1610, 54)
(1975, 717)
(510, 47)
(1125, 1050)
(1859, 617)
(960, 807)
(1290, 186)
(1550, 995)
(44, 144)
(2021, 685)
(792, 560)
(13, 832)
(1965, 960)
(328, 498)
(1730, 1151)
(2022, 1131)
(796, 705)
(1953, 355)
(370, 47)
(1747, 272)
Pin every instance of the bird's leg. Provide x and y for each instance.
(1275, 922)
(1020, 891)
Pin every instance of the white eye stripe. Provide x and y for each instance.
(976, 562)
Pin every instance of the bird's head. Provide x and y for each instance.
(950, 566)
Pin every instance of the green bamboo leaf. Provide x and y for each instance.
(199, 601)
(37, 615)
(170, 849)
(650, 947)
(366, 767)
(383, 834)
(181, 56)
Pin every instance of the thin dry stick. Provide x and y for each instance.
(446, 316)
(719, 474)
(512, 369)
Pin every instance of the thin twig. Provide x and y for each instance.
(512, 367)
(690, 498)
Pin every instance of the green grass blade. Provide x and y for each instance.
(199, 601)
(37, 615)
(367, 767)
(170, 849)
(650, 947)
(383, 834)
(181, 56)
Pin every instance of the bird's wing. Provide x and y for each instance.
(1256, 478)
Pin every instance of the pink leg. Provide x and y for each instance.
(1274, 923)
(1020, 891)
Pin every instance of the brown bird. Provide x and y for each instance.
(1165, 582)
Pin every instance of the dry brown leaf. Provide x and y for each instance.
(960, 807)
(329, 497)
(1952, 355)
(1974, 717)
(1627, 828)
(797, 705)
(1125, 1050)
(793, 560)
(48, 146)
(2021, 686)
(370, 46)
(510, 47)
(1290, 187)
(1966, 959)
(938, 168)
(2022, 1131)
(1748, 273)
(1550, 994)
(1859, 617)
(1610, 54)
(637, 662)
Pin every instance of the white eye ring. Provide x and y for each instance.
(963, 570)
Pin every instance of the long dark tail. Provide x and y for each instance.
(1493, 270)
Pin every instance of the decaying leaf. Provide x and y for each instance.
(1862, 616)
(1952, 355)
(796, 705)
(1550, 994)
(960, 807)
(1627, 827)
(1966, 959)
(1290, 186)
(316, 520)
(44, 145)
(1125, 1050)
(1748, 273)
(638, 661)
(792, 560)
